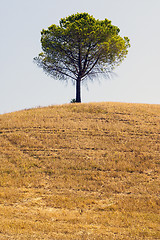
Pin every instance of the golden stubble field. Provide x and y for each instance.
(80, 171)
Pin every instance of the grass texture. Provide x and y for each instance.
(80, 171)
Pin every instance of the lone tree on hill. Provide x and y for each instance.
(81, 47)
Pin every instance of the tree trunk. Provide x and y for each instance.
(78, 90)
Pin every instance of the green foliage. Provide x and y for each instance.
(81, 47)
(73, 100)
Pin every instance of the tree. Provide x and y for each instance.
(81, 47)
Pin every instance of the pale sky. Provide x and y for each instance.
(24, 85)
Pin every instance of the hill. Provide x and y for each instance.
(80, 171)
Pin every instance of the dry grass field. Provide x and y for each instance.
(80, 171)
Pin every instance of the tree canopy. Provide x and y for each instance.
(81, 47)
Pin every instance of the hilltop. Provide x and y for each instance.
(80, 171)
